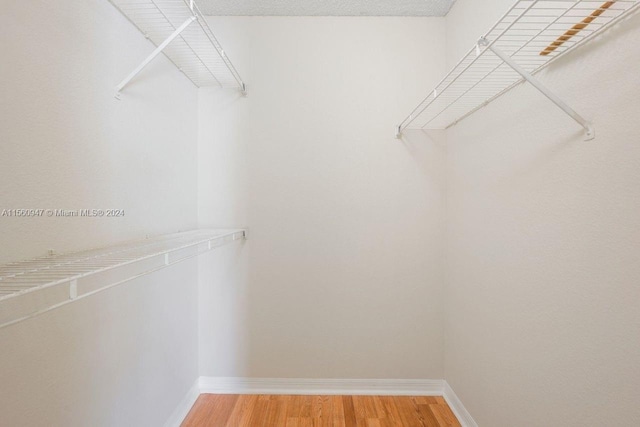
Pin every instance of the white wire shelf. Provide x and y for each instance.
(29, 288)
(527, 38)
(180, 31)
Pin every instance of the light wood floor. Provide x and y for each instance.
(213, 410)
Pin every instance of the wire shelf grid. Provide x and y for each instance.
(196, 51)
(29, 288)
(532, 33)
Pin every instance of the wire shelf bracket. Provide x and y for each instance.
(589, 131)
(179, 30)
(33, 287)
(529, 36)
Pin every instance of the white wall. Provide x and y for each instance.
(542, 321)
(125, 357)
(344, 260)
(343, 273)
(128, 355)
(67, 143)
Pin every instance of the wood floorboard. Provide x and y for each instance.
(219, 410)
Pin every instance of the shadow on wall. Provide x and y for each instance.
(427, 148)
(223, 307)
(223, 203)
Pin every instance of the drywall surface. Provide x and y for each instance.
(125, 357)
(343, 266)
(326, 8)
(543, 281)
(128, 355)
(68, 144)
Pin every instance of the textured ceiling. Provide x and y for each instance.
(325, 7)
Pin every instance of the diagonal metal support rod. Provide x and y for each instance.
(589, 131)
(155, 53)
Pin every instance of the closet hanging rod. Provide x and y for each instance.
(577, 28)
(512, 52)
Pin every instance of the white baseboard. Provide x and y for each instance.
(461, 413)
(232, 385)
(385, 387)
(183, 408)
